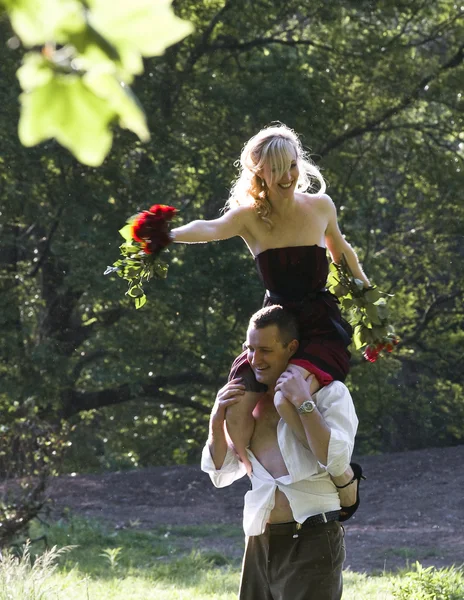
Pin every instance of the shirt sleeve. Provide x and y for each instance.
(231, 470)
(335, 404)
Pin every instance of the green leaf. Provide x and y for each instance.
(357, 341)
(373, 314)
(64, 108)
(140, 301)
(347, 303)
(372, 295)
(138, 27)
(135, 291)
(126, 233)
(37, 22)
(121, 100)
(340, 290)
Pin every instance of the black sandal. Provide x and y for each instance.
(346, 512)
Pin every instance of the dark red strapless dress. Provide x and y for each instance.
(295, 277)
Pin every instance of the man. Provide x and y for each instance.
(294, 547)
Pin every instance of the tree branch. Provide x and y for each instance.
(408, 99)
(76, 402)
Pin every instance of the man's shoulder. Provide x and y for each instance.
(335, 389)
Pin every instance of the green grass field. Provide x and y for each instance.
(129, 564)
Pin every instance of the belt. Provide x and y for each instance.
(293, 528)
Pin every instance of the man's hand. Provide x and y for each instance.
(229, 394)
(294, 386)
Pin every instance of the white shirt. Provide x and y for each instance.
(308, 486)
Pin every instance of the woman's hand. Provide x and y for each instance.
(228, 395)
(293, 386)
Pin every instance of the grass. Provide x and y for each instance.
(129, 564)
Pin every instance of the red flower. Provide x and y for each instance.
(162, 211)
(151, 229)
(371, 353)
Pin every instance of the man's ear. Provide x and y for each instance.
(293, 346)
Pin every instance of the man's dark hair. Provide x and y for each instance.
(276, 315)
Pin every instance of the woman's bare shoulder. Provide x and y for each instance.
(243, 213)
(317, 201)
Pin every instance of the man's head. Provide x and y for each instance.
(272, 339)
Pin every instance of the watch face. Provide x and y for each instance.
(307, 406)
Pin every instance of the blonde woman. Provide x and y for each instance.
(288, 231)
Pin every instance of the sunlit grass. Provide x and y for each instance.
(130, 564)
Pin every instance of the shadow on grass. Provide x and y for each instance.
(181, 553)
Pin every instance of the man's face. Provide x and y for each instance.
(266, 353)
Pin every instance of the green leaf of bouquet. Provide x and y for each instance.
(130, 249)
(132, 272)
(357, 341)
(37, 22)
(382, 309)
(126, 233)
(372, 295)
(135, 291)
(347, 303)
(372, 313)
(137, 28)
(139, 302)
(64, 108)
(365, 335)
(340, 290)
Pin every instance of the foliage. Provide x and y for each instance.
(85, 55)
(374, 90)
(146, 235)
(22, 578)
(159, 564)
(30, 451)
(366, 308)
(431, 584)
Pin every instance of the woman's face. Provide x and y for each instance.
(282, 186)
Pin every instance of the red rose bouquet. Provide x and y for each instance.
(367, 311)
(146, 235)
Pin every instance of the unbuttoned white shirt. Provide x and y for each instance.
(308, 486)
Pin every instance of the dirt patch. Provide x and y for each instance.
(411, 506)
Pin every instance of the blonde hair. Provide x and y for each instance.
(278, 146)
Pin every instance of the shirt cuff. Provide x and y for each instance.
(339, 453)
(231, 469)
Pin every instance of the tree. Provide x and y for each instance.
(351, 78)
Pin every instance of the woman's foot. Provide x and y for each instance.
(349, 493)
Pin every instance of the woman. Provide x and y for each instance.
(288, 231)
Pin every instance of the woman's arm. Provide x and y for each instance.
(337, 244)
(231, 224)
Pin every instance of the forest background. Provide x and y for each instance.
(375, 91)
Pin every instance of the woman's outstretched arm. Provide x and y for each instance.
(231, 224)
(338, 246)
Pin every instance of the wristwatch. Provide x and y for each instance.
(307, 407)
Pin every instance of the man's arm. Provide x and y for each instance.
(218, 458)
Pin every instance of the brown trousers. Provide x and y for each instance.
(278, 566)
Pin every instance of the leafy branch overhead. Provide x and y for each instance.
(85, 54)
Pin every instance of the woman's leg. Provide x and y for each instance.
(288, 413)
(241, 423)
